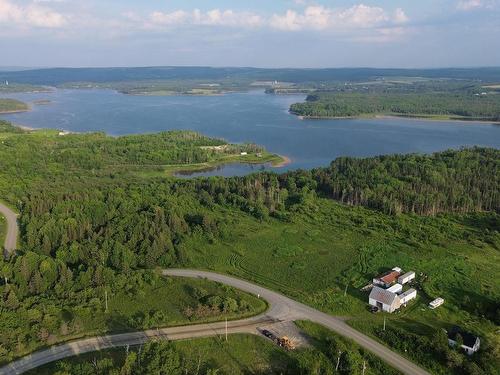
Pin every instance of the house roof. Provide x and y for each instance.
(389, 277)
(383, 295)
(468, 338)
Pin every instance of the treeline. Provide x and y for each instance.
(452, 181)
(459, 105)
(467, 180)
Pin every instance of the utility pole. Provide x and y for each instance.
(226, 329)
(338, 361)
(106, 298)
(364, 367)
(345, 291)
(384, 323)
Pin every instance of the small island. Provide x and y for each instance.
(42, 102)
(12, 106)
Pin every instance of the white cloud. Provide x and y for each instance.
(322, 18)
(214, 17)
(30, 15)
(469, 5)
(400, 16)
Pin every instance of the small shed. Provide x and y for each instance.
(384, 300)
(471, 343)
(406, 278)
(408, 296)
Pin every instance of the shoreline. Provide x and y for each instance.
(283, 163)
(14, 111)
(393, 117)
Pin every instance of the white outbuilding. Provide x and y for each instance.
(406, 278)
(408, 296)
(396, 288)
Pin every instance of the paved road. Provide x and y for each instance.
(58, 352)
(285, 309)
(281, 309)
(10, 243)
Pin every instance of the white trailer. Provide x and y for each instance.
(406, 278)
(408, 296)
(436, 303)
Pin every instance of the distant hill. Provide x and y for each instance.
(58, 76)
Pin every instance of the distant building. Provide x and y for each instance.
(406, 278)
(384, 300)
(470, 344)
(407, 296)
(244, 153)
(387, 279)
(436, 303)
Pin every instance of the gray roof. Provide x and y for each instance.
(408, 292)
(410, 273)
(383, 295)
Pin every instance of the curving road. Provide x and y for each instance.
(10, 243)
(281, 309)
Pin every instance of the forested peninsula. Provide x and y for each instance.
(473, 106)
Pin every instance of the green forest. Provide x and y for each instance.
(99, 213)
(451, 105)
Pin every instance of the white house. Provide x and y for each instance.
(384, 300)
(408, 296)
(406, 278)
(436, 303)
(470, 342)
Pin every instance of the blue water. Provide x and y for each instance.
(249, 117)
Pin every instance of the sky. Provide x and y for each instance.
(259, 33)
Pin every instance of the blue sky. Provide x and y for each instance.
(264, 33)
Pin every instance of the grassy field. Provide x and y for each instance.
(161, 302)
(317, 257)
(12, 105)
(248, 354)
